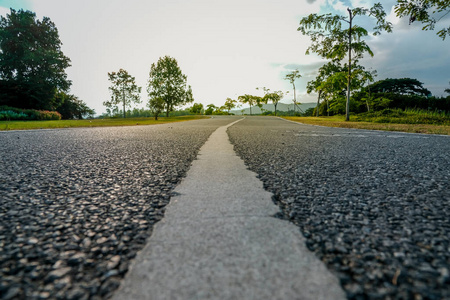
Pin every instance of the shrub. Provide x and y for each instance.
(49, 115)
(12, 113)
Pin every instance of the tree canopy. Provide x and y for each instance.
(168, 84)
(402, 86)
(427, 12)
(32, 65)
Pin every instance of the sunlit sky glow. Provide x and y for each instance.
(226, 48)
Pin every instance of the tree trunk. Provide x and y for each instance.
(295, 99)
(347, 106)
(123, 99)
(275, 108)
(318, 103)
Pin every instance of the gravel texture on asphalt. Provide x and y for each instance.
(373, 206)
(77, 204)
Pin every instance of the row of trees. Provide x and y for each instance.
(32, 67)
(167, 88)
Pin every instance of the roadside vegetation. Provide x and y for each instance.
(32, 90)
(409, 123)
(22, 125)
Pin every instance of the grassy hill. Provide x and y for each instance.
(269, 107)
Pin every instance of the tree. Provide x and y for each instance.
(210, 109)
(322, 85)
(167, 82)
(196, 108)
(248, 99)
(428, 12)
(274, 97)
(32, 65)
(123, 90)
(70, 107)
(292, 77)
(230, 104)
(331, 41)
(156, 105)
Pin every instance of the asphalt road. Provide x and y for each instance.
(374, 206)
(220, 239)
(77, 204)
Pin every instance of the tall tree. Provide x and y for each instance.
(123, 90)
(428, 12)
(167, 82)
(331, 41)
(32, 65)
(292, 77)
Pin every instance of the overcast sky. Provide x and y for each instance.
(226, 47)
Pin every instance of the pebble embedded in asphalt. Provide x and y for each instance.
(373, 206)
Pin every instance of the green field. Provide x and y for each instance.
(24, 125)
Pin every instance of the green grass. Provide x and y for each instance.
(409, 116)
(24, 125)
(339, 121)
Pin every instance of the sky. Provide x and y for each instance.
(226, 48)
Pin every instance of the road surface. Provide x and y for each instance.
(76, 205)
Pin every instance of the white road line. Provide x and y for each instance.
(219, 240)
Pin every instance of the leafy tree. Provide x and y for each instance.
(328, 83)
(428, 12)
(156, 105)
(331, 41)
(70, 107)
(230, 104)
(248, 99)
(123, 90)
(32, 65)
(273, 97)
(259, 101)
(196, 108)
(210, 109)
(292, 77)
(167, 82)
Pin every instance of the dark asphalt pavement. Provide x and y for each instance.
(77, 204)
(374, 206)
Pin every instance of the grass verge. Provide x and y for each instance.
(339, 121)
(24, 125)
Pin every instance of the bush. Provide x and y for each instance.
(11, 113)
(409, 116)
